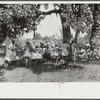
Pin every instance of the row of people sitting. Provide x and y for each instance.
(49, 51)
(39, 52)
(88, 54)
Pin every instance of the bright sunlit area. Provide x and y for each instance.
(51, 24)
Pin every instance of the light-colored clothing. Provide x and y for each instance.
(64, 52)
(54, 53)
(36, 55)
(10, 53)
(87, 45)
(27, 54)
(11, 47)
(98, 52)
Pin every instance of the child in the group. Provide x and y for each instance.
(82, 54)
(54, 53)
(97, 53)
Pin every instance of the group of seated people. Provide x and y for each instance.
(43, 51)
(88, 53)
(50, 52)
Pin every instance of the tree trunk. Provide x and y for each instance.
(66, 34)
(66, 31)
(78, 15)
(93, 29)
(67, 37)
(34, 34)
(76, 36)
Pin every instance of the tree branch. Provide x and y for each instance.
(49, 12)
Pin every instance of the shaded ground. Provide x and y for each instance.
(86, 73)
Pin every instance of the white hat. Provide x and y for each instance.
(4, 44)
(25, 29)
(91, 39)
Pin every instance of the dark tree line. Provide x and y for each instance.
(15, 17)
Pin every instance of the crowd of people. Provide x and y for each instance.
(43, 51)
(53, 53)
(89, 53)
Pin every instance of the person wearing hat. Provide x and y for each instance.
(11, 54)
(29, 47)
(28, 54)
(12, 45)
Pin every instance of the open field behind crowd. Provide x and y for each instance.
(86, 73)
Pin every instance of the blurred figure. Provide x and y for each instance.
(10, 55)
(64, 51)
(12, 46)
(82, 54)
(47, 54)
(28, 50)
(29, 47)
(54, 53)
(92, 44)
(41, 46)
(97, 53)
(3, 44)
(12, 52)
(73, 51)
(28, 54)
(87, 45)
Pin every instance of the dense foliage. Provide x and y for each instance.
(15, 17)
(81, 17)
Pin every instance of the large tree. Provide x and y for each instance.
(95, 9)
(15, 17)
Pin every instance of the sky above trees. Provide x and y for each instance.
(51, 25)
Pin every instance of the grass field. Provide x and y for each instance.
(84, 73)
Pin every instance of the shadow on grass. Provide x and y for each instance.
(75, 67)
(38, 69)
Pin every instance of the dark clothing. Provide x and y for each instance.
(30, 48)
(47, 55)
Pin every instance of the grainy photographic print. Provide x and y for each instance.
(50, 42)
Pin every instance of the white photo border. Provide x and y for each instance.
(69, 90)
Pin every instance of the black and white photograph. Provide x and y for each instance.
(50, 42)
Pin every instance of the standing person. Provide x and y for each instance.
(47, 54)
(64, 55)
(87, 46)
(41, 45)
(65, 51)
(82, 54)
(54, 54)
(12, 52)
(29, 48)
(92, 45)
(17, 50)
(97, 55)
(73, 51)
(28, 54)
(12, 45)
